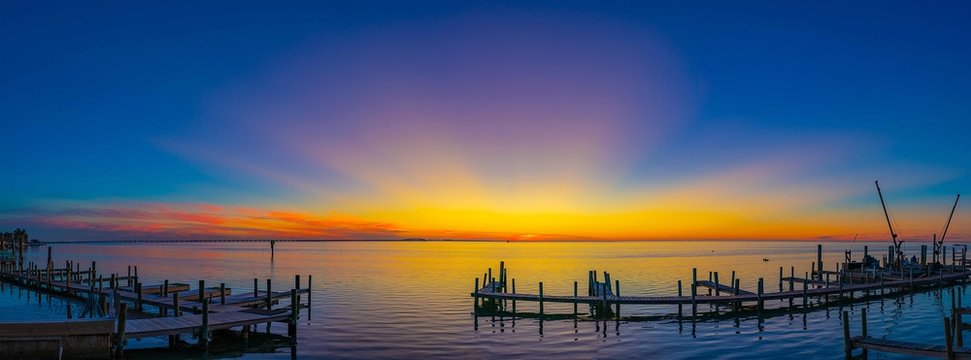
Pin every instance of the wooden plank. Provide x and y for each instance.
(729, 290)
(56, 328)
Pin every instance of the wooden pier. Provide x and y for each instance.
(137, 311)
(492, 294)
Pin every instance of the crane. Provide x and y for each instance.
(938, 244)
(893, 234)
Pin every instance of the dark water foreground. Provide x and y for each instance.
(411, 299)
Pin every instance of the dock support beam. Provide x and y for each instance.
(120, 336)
(204, 334)
(541, 299)
(847, 344)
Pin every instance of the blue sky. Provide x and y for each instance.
(602, 105)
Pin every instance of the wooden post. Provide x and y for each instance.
(847, 344)
(120, 336)
(294, 310)
(269, 294)
(256, 288)
(492, 285)
(175, 304)
(129, 275)
(819, 259)
(541, 299)
(733, 279)
(514, 300)
(805, 293)
(590, 283)
(310, 284)
(680, 308)
(923, 254)
(222, 293)
(760, 294)
(575, 288)
(863, 325)
(792, 274)
(204, 334)
(717, 288)
(780, 279)
(617, 294)
(958, 328)
(948, 341)
(165, 288)
(70, 313)
(694, 291)
(102, 303)
(475, 297)
(202, 291)
(138, 292)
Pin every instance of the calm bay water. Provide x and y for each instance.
(411, 299)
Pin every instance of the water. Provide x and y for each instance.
(411, 299)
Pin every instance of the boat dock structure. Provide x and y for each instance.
(498, 295)
(117, 308)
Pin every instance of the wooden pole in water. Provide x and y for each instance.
(760, 302)
(575, 288)
(733, 279)
(805, 292)
(165, 288)
(863, 326)
(948, 340)
(514, 292)
(847, 345)
(492, 285)
(819, 258)
(590, 283)
(120, 336)
(679, 299)
(717, 288)
(541, 299)
(310, 284)
(222, 293)
(175, 304)
(475, 297)
(269, 295)
(617, 290)
(202, 291)
(204, 334)
(958, 329)
(294, 310)
(256, 287)
(694, 291)
(780, 279)
(138, 292)
(792, 274)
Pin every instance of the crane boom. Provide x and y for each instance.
(949, 217)
(886, 214)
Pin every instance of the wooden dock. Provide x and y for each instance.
(178, 309)
(492, 294)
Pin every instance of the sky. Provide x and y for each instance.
(529, 120)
